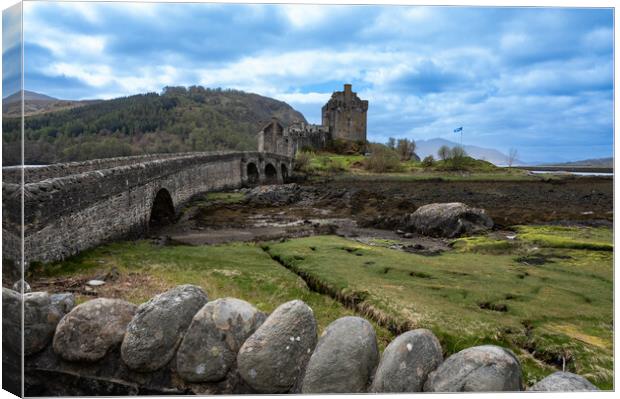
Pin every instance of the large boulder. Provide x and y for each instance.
(449, 220)
(88, 331)
(209, 349)
(40, 320)
(11, 321)
(273, 359)
(486, 368)
(344, 358)
(563, 382)
(407, 361)
(157, 329)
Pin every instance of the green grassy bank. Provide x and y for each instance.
(546, 293)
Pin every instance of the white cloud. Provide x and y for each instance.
(302, 16)
(94, 75)
(304, 98)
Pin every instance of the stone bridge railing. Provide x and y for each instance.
(180, 342)
(70, 207)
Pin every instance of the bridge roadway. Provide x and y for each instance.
(74, 206)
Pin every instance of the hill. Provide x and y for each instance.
(596, 162)
(28, 95)
(37, 103)
(179, 119)
(430, 147)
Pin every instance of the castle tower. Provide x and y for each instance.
(345, 115)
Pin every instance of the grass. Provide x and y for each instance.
(352, 167)
(596, 239)
(225, 197)
(558, 311)
(547, 294)
(242, 271)
(559, 237)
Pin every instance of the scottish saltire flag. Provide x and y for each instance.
(458, 129)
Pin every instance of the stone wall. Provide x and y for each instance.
(345, 115)
(72, 212)
(37, 173)
(343, 118)
(275, 138)
(181, 342)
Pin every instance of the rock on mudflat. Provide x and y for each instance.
(156, 330)
(344, 358)
(563, 382)
(273, 358)
(486, 368)
(88, 331)
(278, 194)
(448, 220)
(209, 348)
(40, 320)
(407, 361)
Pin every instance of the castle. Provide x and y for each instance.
(343, 118)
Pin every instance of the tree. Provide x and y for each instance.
(428, 161)
(405, 149)
(391, 143)
(512, 156)
(457, 152)
(457, 158)
(443, 152)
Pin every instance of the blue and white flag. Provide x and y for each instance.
(458, 129)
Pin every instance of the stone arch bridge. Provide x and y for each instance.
(74, 206)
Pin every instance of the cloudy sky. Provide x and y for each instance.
(536, 79)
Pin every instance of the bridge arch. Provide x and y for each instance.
(252, 173)
(284, 171)
(162, 209)
(271, 174)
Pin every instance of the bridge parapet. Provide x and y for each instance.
(74, 206)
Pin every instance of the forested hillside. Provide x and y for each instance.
(177, 120)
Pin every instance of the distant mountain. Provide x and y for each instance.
(177, 120)
(596, 162)
(37, 103)
(28, 95)
(430, 147)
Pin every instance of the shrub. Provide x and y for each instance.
(346, 147)
(428, 161)
(302, 161)
(405, 149)
(443, 152)
(457, 160)
(382, 159)
(335, 166)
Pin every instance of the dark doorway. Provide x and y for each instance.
(271, 174)
(252, 172)
(284, 173)
(162, 211)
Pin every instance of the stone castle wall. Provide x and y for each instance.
(343, 118)
(345, 115)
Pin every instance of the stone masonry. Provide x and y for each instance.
(343, 118)
(345, 115)
(75, 206)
